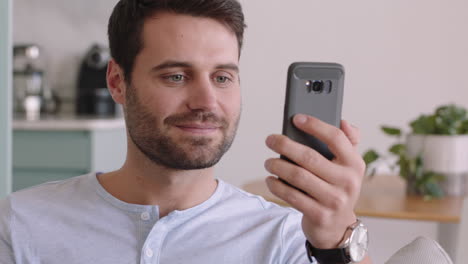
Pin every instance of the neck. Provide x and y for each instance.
(141, 181)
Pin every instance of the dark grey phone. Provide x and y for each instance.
(316, 89)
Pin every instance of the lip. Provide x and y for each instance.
(198, 128)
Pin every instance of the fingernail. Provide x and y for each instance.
(300, 119)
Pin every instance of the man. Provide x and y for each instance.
(175, 71)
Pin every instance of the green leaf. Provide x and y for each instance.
(434, 190)
(463, 127)
(435, 177)
(370, 156)
(424, 125)
(412, 166)
(451, 112)
(398, 149)
(429, 185)
(391, 131)
(446, 120)
(404, 167)
(418, 170)
(449, 120)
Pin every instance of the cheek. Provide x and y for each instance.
(232, 104)
(158, 100)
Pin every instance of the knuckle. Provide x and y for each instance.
(352, 186)
(322, 217)
(292, 197)
(309, 158)
(347, 180)
(336, 135)
(299, 176)
(278, 191)
(337, 201)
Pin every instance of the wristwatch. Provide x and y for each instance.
(352, 249)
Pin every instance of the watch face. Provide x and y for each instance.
(358, 243)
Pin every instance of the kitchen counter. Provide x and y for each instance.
(67, 123)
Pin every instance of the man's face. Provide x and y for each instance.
(183, 105)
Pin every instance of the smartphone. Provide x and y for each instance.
(315, 89)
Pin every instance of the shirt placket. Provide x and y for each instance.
(151, 250)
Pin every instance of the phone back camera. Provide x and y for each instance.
(314, 86)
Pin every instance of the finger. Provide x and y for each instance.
(299, 178)
(351, 132)
(323, 192)
(332, 136)
(305, 157)
(293, 197)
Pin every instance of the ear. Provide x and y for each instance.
(116, 82)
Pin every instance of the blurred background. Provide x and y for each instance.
(402, 58)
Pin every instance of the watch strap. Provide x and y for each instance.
(327, 256)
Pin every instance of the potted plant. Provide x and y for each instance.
(433, 157)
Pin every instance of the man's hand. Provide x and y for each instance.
(331, 187)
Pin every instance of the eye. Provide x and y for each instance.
(222, 79)
(176, 78)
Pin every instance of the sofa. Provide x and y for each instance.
(421, 251)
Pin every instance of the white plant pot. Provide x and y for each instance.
(443, 154)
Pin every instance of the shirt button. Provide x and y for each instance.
(149, 252)
(145, 216)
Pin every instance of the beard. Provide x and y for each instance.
(186, 153)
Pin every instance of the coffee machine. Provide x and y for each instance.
(32, 95)
(93, 97)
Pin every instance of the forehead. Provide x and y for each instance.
(170, 36)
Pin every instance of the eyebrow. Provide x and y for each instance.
(228, 66)
(181, 64)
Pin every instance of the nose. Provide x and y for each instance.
(202, 96)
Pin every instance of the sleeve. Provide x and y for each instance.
(6, 251)
(293, 240)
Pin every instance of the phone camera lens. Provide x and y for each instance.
(314, 86)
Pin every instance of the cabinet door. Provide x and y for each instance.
(52, 150)
(44, 156)
(5, 97)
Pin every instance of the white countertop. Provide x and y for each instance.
(68, 123)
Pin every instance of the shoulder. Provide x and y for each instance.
(5, 215)
(47, 194)
(251, 203)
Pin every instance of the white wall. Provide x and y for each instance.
(402, 58)
(5, 97)
(64, 30)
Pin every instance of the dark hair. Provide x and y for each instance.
(127, 19)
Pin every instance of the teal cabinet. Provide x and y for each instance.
(41, 156)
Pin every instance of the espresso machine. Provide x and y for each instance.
(93, 97)
(32, 96)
